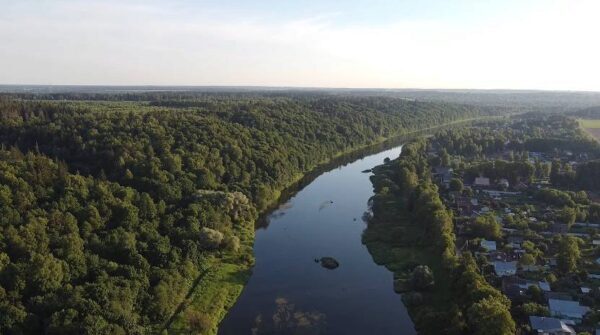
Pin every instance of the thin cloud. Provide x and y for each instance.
(72, 42)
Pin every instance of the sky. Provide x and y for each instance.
(508, 44)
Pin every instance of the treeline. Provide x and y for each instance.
(588, 113)
(254, 146)
(500, 169)
(585, 176)
(111, 209)
(465, 303)
(530, 132)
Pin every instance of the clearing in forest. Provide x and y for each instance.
(592, 127)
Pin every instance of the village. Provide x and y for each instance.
(538, 244)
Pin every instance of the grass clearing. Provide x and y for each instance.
(216, 289)
(214, 295)
(592, 127)
(592, 124)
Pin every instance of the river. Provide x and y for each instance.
(290, 293)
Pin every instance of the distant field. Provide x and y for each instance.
(592, 127)
(593, 124)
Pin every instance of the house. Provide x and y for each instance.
(544, 285)
(567, 309)
(531, 268)
(535, 155)
(515, 241)
(558, 296)
(482, 182)
(521, 186)
(523, 284)
(499, 194)
(488, 245)
(512, 291)
(549, 326)
(560, 228)
(443, 175)
(497, 256)
(586, 225)
(503, 269)
(464, 205)
(512, 287)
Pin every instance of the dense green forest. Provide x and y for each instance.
(115, 206)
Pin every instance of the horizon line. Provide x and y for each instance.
(292, 87)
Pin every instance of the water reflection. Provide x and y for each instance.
(320, 216)
(288, 320)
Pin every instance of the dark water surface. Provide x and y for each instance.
(289, 293)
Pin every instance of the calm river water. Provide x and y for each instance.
(289, 293)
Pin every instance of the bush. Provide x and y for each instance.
(456, 185)
(422, 278)
(412, 298)
(210, 239)
(232, 243)
(198, 322)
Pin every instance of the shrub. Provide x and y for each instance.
(210, 238)
(422, 278)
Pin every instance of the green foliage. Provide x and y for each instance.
(567, 216)
(555, 197)
(491, 317)
(211, 239)
(456, 185)
(422, 278)
(486, 226)
(117, 207)
(495, 170)
(568, 254)
(527, 259)
(198, 322)
(532, 308)
(462, 302)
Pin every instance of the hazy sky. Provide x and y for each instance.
(320, 43)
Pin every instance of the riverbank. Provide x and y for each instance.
(411, 233)
(396, 241)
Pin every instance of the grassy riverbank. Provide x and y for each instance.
(411, 233)
(216, 289)
(395, 242)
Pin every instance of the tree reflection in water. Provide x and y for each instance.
(286, 320)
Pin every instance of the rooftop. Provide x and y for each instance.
(567, 308)
(546, 325)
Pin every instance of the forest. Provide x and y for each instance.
(116, 205)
